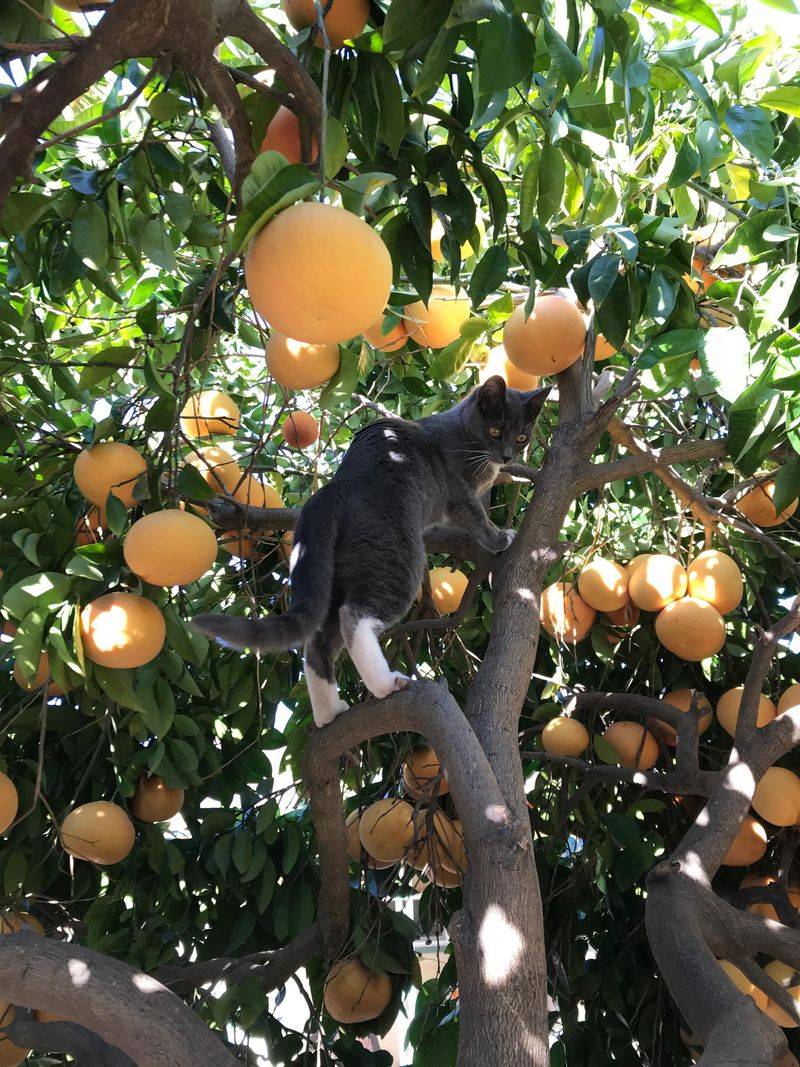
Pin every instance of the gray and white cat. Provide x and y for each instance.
(359, 558)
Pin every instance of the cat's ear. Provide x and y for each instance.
(491, 396)
(534, 400)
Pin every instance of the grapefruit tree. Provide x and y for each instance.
(233, 233)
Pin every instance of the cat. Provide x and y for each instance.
(358, 556)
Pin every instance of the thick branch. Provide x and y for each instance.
(68, 1038)
(126, 1008)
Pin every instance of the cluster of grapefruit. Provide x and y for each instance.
(689, 603)
(415, 831)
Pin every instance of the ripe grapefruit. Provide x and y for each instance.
(777, 797)
(9, 802)
(626, 740)
(42, 674)
(218, 467)
(99, 831)
(209, 413)
(497, 362)
(624, 616)
(434, 847)
(437, 234)
(565, 615)
(387, 829)
(728, 709)
(447, 589)
(565, 736)
(389, 341)
(111, 466)
(354, 848)
(122, 630)
(681, 699)
(551, 340)
(790, 700)
(318, 273)
(603, 349)
(691, 628)
(170, 548)
(345, 20)
(656, 581)
(256, 493)
(603, 584)
(437, 323)
(283, 135)
(789, 979)
(713, 576)
(14, 921)
(743, 984)
(354, 994)
(748, 846)
(297, 365)
(757, 506)
(420, 769)
(300, 429)
(154, 801)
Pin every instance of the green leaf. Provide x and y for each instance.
(160, 712)
(490, 272)
(787, 485)
(671, 345)
(156, 245)
(290, 841)
(748, 241)
(180, 209)
(410, 21)
(603, 275)
(23, 210)
(662, 293)
(118, 684)
(552, 175)
(191, 483)
(90, 234)
(687, 163)
(342, 385)
(336, 146)
(505, 53)
(222, 853)
(116, 514)
(565, 67)
(389, 98)
(529, 190)
(435, 62)
(725, 358)
(693, 10)
(183, 755)
(15, 872)
(45, 591)
(28, 641)
(751, 127)
(242, 853)
(785, 99)
(292, 182)
(104, 364)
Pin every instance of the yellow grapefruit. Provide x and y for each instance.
(656, 581)
(691, 628)
(565, 736)
(497, 362)
(299, 365)
(681, 700)
(437, 323)
(420, 768)
(354, 994)
(550, 340)
(757, 506)
(627, 739)
(122, 630)
(790, 700)
(603, 349)
(565, 615)
(748, 846)
(154, 801)
(110, 467)
(283, 135)
(789, 979)
(715, 577)
(42, 674)
(218, 467)
(9, 802)
(395, 337)
(432, 847)
(777, 797)
(99, 831)
(318, 273)
(300, 429)
(447, 589)
(345, 20)
(170, 548)
(354, 848)
(387, 829)
(208, 413)
(603, 584)
(728, 709)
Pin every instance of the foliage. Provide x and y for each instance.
(596, 144)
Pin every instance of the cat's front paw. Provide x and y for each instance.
(326, 715)
(501, 540)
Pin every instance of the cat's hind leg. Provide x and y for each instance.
(319, 658)
(360, 631)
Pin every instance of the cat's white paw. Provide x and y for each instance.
(392, 683)
(324, 716)
(510, 535)
(400, 681)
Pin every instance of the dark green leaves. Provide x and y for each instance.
(389, 98)
(602, 276)
(505, 53)
(552, 175)
(751, 127)
(490, 272)
(410, 21)
(156, 245)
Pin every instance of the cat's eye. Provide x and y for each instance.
(522, 438)
(494, 431)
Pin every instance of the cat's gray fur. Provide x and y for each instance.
(359, 558)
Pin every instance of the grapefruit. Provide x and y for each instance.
(345, 20)
(256, 494)
(713, 576)
(436, 849)
(565, 615)
(757, 506)
(603, 584)
(565, 736)
(447, 588)
(437, 234)
(691, 628)
(497, 362)
(790, 699)
(420, 768)
(240, 543)
(99, 831)
(10, 1054)
(122, 630)
(42, 674)
(551, 340)
(14, 921)
(283, 135)
(387, 829)
(437, 323)
(777, 797)
(681, 700)
(456, 862)
(88, 527)
(354, 994)
(154, 801)
(748, 846)
(170, 548)
(789, 979)
(626, 740)
(218, 467)
(208, 413)
(354, 848)
(395, 337)
(656, 581)
(637, 562)
(443, 876)
(603, 349)
(9, 802)
(624, 616)
(300, 429)
(318, 273)
(728, 709)
(110, 467)
(299, 365)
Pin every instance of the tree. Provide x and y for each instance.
(642, 160)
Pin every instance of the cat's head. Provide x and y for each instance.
(502, 419)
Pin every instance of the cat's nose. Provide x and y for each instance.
(508, 454)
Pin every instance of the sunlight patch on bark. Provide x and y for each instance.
(79, 973)
(740, 778)
(501, 945)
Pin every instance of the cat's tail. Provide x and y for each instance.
(311, 570)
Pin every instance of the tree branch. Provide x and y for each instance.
(69, 1039)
